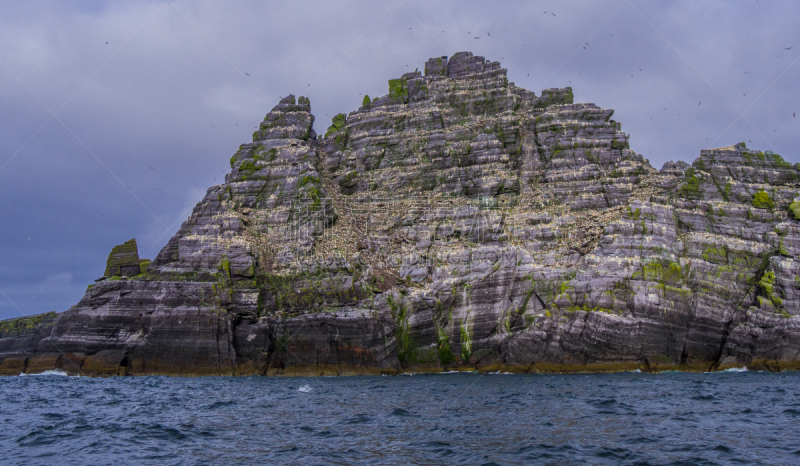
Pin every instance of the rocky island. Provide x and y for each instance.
(457, 223)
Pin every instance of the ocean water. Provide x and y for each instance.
(627, 418)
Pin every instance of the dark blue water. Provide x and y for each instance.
(671, 418)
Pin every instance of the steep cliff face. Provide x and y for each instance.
(457, 222)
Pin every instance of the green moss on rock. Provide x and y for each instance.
(691, 188)
(337, 124)
(794, 210)
(762, 200)
(144, 264)
(24, 325)
(123, 260)
(766, 287)
(398, 90)
(569, 97)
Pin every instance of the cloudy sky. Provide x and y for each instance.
(115, 117)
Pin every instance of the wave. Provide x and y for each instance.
(48, 373)
(736, 369)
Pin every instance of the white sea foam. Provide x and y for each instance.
(736, 369)
(51, 372)
(304, 389)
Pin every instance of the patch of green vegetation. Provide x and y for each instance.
(618, 145)
(366, 101)
(716, 256)
(306, 180)
(144, 264)
(766, 286)
(337, 124)
(405, 352)
(691, 187)
(794, 210)
(225, 265)
(125, 248)
(585, 308)
(699, 164)
(303, 100)
(23, 325)
(398, 89)
(248, 167)
(762, 200)
(446, 356)
(657, 272)
(569, 97)
(726, 193)
(777, 160)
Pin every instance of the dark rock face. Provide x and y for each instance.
(458, 222)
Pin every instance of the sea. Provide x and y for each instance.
(457, 418)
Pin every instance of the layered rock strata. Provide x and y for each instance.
(458, 222)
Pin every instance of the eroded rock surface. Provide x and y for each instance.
(458, 222)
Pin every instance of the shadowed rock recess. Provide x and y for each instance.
(457, 223)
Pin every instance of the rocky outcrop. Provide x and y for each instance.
(458, 222)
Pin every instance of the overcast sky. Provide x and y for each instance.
(152, 98)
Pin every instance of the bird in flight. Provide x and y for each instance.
(248, 74)
(106, 42)
(151, 168)
(488, 34)
(787, 48)
(476, 37)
